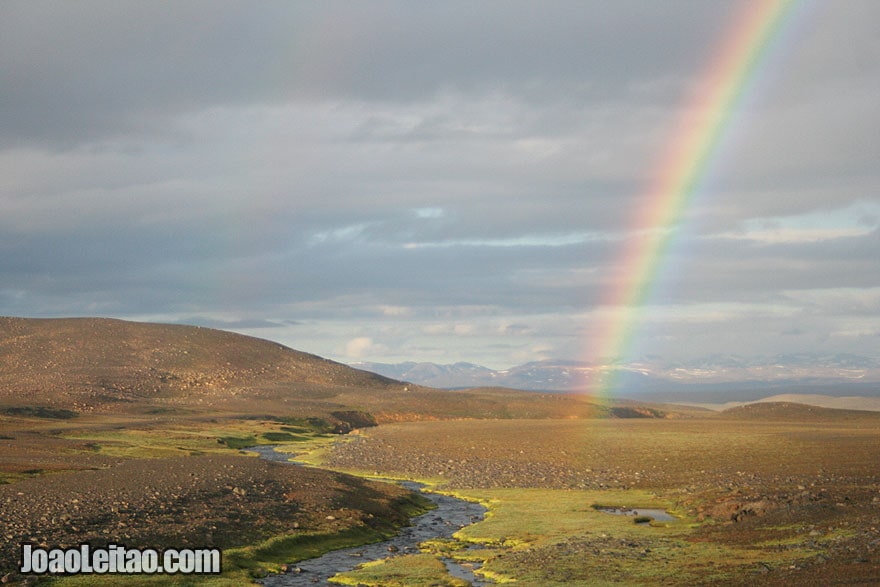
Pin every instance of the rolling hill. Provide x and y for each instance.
(99, 365)
(102, 364)
(783, 411)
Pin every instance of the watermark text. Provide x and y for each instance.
(116, 558)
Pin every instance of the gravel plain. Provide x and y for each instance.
(203, 501)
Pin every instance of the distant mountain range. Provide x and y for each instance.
(727, 377)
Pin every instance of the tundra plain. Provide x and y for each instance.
(778, 494)
(113, 431)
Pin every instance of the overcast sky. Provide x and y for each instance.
(439, 181)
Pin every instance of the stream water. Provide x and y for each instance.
(451, 515)
(658, 515)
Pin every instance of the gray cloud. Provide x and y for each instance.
(451, 180)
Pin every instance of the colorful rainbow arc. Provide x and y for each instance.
(707, 115)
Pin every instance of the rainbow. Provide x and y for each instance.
(706, 116)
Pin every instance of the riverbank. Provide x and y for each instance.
(450, 514)
(260, 514)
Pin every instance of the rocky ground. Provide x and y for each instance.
(759, 484)
(765, 486)
(215, 501)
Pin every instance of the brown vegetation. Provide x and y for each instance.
(811, 486)
(92, 365)
(218, 501)
(76, 396)
(89, 364)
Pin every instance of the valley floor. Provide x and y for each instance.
(758, 501)
(773, 495)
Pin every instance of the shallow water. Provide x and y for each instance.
(658, 515)
(451, 515)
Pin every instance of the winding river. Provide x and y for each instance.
(451, 515)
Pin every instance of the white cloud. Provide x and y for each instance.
(857, 219)
(363, 347)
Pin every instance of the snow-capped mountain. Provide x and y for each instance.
(842, 372)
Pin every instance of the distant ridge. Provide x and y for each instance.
(822, 401)
(734, 378)
(796, 412)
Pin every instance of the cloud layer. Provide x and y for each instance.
(434, 181)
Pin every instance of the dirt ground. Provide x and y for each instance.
(780, 478)
(211, 501)
(777, 483)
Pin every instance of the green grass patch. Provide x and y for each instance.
(299, 546)
(401, 571)
(312, 451)
(238, 442)
(145, 443)
(520, 517)
(195, 438)
(551, 537)
(312, 424)
(284, 437)
(7, 478)
(39, 412)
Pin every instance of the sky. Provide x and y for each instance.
(437, 181)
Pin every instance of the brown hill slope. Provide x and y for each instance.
(114, 366)
(89, 364)
(794, 412)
